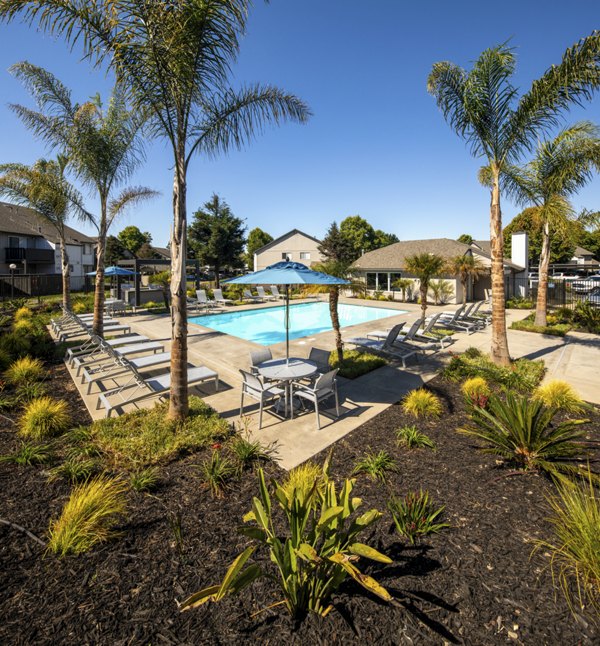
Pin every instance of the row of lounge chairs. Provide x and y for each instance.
(117, 367)
(417, 341)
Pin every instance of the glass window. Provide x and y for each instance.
(393, 278)
(382, 282)
(286, 256)
(371, 281)
(304, 255)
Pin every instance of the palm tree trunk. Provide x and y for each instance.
(500, 353)
(66, 275)
(100, 253)
(464, 288)
(541, 307)
(178, 404)
(424, 289)
(334, 295)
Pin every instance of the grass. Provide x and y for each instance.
(528, 325)
(44, 417)
(476, 391)
(376, 465)
(412, 438)
(75, 469)
(355, 363)
(88, 517)
(146, 437)
(29, 454)
(303, 478)
(422, 403)
(144, 479)
(560, 395)
(25, 370)
(415, 516)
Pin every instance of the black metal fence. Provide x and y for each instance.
(562, 292)
(21, 285)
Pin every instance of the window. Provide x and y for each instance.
(371, 281)
(393, 279)
(382, 282)
(286, 256)
(304, 255)
(13, 242)
(87, 268)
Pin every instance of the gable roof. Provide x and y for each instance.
(164, 252)
(484, 245)
(580, 251)
(285, 236)
(21, 220)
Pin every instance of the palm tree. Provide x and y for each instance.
(424, 266)
(43, 188)
(466, 267)
(175, 59)
(404, 285)
(559, 169)
(102, 147)
(481, 106)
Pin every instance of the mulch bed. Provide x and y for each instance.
(475, 583)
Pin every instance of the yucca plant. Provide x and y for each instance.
(376, 465)
(88, 517)
(249, 453)
(560, 396)
(25, 370)
(521, 431)
(217, 471)
(422, 403)
(29, 454)
(476, 391)
(575, 546)
(317, 553)
(415, 515)
(45, 417)
(412, 438)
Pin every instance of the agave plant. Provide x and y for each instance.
(521, 430)
(318, 553)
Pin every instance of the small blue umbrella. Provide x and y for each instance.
(113, 270)
(287, 273)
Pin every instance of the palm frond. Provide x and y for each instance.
(127, 198)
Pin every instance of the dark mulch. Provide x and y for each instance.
(476, 583)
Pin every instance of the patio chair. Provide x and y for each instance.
(257, 357)
(151, 387)
(261, 392)
(275, 292)
(93, 345)
(321, 358)
(387, 347)
(218, 294)
(426, 334)
(248, 296)
(203, 300)
(115, 306)
(457, 322)
(260, 290)
(109, 353)
(324, 388)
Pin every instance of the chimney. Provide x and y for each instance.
(520, 249)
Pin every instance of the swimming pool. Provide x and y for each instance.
(266, 325)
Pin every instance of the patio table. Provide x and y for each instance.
(288, 371)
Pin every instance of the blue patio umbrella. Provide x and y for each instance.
(113, 270)
(287, 273)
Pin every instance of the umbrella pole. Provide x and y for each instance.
(287, 324)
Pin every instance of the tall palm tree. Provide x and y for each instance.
(466, 267)
(482, 106)
(559, 169)
(175, 60)
(43, 188)
(424, 266)
(102, 146)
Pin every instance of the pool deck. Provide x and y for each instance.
(574, 358)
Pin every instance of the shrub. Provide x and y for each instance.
(519, 303)
(476, 391)
(76, 468)
(29, 391)
(24, 326)
(250, 453)
(553, 327)
(587, 317)
(6, 358)
(144, 480)
(45, 417)
(376, 465)
(575, 546)
(25, 370)
(15, 345)
(88, 517)
(217, 471)
(316, 554)
(23, 313)
(521, 430)
(561, 396)
(303, 478)
(29, 454)
(355, 364)
(422, 403)
(412, 438)
(415, 516)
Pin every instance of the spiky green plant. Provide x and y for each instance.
(88, 517)
(25, 370)
(144, 479)
(45, 417)
(30, 390)
(248, 453)
(74, 469)
(314, 554)
(422, 403)
(29, 454)
(412, 438)
(476, 391)
(522, 431)
(376, 465)
(415, 515)
(303, 478)
(217, 471)
(561, 396)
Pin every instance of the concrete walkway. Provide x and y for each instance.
(575, 359)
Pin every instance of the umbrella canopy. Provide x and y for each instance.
(113, 270)
(287, 273)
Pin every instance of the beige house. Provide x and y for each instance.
(294, 245)
(382, 267)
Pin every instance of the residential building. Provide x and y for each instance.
(294, 245)
(32, 244)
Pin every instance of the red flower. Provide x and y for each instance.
(216, 446)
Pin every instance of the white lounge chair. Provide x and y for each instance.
(248, 296)
(275, 292)
(387, 347)
(260, 290)
(109, 353)
(93, 345)
(218, 294)
(203, 300)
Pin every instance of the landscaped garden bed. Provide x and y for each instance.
(474, 582)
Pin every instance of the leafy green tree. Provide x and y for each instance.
(146, 251)
(257, 238)
(43, 188)
(425, 266)
(465, 238)
(115, 250)
(216, 236)
(359, 234)
(482, 106)
(466, 267)
(383, 239)
(559, 169)
(102, 147)
(175, 60)
(132, 238)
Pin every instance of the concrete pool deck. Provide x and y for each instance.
(574, 358)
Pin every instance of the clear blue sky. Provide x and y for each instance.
(376, 146)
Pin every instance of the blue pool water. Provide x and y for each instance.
(266, 325)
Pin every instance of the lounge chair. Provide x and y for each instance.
(456, 322)
(323, 388)
(151, 387)
(218, 294)
(248, 296)
(426, 334)
(256, 389)
(260, 290)
(387, 347)
(109, 353)
(275, 292)
(203, 300)
(93, 345)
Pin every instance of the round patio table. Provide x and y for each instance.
(287, 370)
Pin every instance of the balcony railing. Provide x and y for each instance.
(13, 254)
